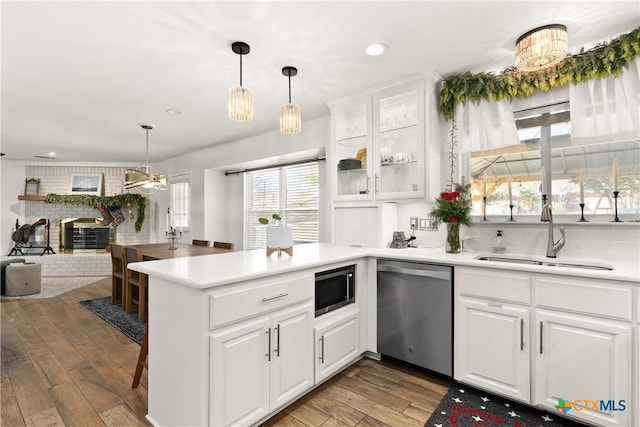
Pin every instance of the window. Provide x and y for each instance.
(180, 203)
(289, 191)
(546, 146)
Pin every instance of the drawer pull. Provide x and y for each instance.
(272, 298)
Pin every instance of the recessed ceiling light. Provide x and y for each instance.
(51, 153)
(174, 111)
(375, 49)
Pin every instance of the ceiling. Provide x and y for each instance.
(79, 77)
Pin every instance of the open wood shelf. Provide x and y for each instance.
(33, 198)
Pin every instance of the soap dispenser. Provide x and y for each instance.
(498, 244)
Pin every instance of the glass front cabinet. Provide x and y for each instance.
(378, 146)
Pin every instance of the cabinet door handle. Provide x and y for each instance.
(268, 332)
(521, 334)
(367, 189)
(276, 297)
(322, 349)
(276, 351)
(541, 337)
(377, 182)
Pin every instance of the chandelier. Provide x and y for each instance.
(290, 117)
(240, 97)
(541, 48)
(143, 180)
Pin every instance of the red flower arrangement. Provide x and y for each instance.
(453, 207)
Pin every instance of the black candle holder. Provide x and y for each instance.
(544, 200)
(616, 194)
(582, 214)
(484, 208)
(511, 213)
(172, 236)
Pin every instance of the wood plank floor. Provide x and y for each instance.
(62, 365)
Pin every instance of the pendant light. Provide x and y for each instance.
(290, 117)
(240, 97)
(144, 180)
(541, 48)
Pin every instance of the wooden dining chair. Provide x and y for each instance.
(133, 279)
(117, 274)
(223, 245)
(201, 242)
(142, 358)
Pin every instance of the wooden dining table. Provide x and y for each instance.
(155, 251)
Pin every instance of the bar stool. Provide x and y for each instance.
(133, 279)
(142, 358)
(117, 275)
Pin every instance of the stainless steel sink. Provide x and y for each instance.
(550, 263)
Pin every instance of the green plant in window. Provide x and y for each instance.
(265, 221)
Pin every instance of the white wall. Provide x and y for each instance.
(12, 185)
(218, 200)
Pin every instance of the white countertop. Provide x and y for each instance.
(207, 271)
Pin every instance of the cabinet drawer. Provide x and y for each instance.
(235, 303)
(494, 284)
(598, 298)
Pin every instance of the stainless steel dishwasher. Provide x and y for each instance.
(415, 313)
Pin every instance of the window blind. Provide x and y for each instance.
(180, 203)
(291, 192)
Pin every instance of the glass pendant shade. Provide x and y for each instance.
(290, 119)
(542, 48)
(145, 180)
(240, 104)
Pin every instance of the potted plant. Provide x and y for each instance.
(279, 237)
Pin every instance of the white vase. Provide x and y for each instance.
(279, 236)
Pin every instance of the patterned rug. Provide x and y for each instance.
(53, 286)
(115, 316)
(465, 406)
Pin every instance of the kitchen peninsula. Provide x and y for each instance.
(234, 338)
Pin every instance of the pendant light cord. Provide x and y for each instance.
(240, 69)
(147, 151)
(289, 73)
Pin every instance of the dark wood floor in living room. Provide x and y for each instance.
(63, 365)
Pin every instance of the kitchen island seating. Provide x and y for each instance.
(117, 275)
(201, 242)
(142, 357)
(223, 245)
(132, 280)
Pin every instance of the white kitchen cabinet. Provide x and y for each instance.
(539, 338)
(583, 347)
(493, 346)
(337, 341)
(378, 150)
(491, 331)
(261, 364)
(582, 359)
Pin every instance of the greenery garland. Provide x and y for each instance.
(601, 61)
(95, 202)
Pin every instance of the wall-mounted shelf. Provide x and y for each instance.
(33, 198)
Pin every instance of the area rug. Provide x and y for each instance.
(465, 406)
(53, 286)
(115, 316)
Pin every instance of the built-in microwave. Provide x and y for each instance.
(335, 288)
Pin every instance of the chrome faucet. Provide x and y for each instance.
(552, 248)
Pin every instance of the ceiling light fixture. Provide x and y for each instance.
(143, 180)
(375, 49)
(542, 47)
(240, 98)
(290, 117)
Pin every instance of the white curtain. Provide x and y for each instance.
(485, 125)
(607, 109)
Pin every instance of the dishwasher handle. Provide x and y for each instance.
(444, 275)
